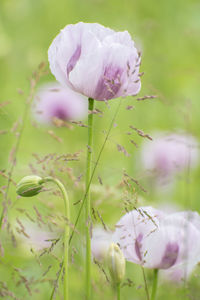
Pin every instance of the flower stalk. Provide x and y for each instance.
(155, 284)
(118, 289)
(145, 283)
(66, 233)
(32, 185)
(87, 200)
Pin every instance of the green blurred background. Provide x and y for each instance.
(167, 33)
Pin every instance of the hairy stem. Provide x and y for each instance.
(93, 172)
(118, 289)
(66, 233)
(87, 199)
(145, 283)
(155, 284)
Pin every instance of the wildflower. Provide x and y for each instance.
(181, 271)
(95, 61)
(55, 101)
(35, 237)
(169, 154)
(100, 243)
(157, 240)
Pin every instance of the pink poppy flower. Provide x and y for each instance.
(36, 237)
(95, 61)
(159, 241)
(169, 154)
(181, 271)
(55, 101)
(100, 243)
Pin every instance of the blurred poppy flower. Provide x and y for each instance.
(181, 271)
(169, 154)
(35, 237)
(157, 240)
(95, 61)
(100, 242)
(54, 101)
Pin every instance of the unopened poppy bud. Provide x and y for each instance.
(29, 186)
(116, 263)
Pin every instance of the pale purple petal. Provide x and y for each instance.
(67, 44)
(190, 256)
(73, 60)
(133, 229)
(170, 255)
(174, 243)
(53, 100)
(138, 245)
(159, 241)
(168, 154)
(96, 61)
(186, 233)
(179, 273)
(100, 243)
(109, 84)
(36, 237)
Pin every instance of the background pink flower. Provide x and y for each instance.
(53, 100)
(100, 243)
(36, 237)
(169, 154)
(95, 61)
(159, 241)
(181, 271)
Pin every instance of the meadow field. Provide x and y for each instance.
(166, 33)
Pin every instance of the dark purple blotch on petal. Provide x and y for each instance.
(73, 60)
(60, 113)
(170, 256)
(138, 246)
(109, 84)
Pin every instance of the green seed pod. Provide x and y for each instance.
(116, 263)
(29, 186)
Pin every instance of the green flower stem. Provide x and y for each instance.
(87, 200)
(145, 283)
(118, 288)
(155, 284)
(95, 167)
(66, 233)
(92, 175)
